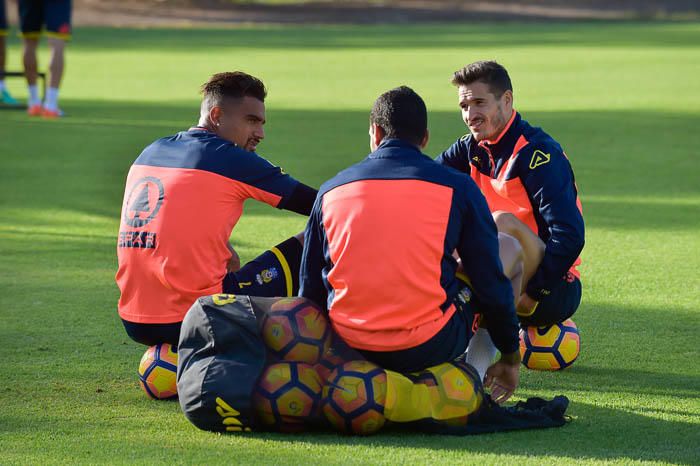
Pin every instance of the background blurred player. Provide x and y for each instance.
(529, 185)
(5, 96)
(378, 253)
(55, 17)
(184, 195)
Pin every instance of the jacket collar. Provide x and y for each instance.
(392, 148)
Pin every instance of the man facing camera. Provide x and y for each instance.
(530, 188)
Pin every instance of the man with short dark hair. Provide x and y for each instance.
(184, 195)
(378, 253)
(530, 188)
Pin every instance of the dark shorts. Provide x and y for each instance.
(447, 345)
(273, 273)
(3, 19)
(53, 15)
(152, 334)
(558, 306)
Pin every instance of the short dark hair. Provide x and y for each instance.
(489, 72)
(232, 85)
(402, 114)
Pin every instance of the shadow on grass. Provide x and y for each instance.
(80, 163)
(411, 36)
(597, 433)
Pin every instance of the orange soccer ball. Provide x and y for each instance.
(550, 348)
(295, 329)
(287, 396)
(158, 371)
(354, 398)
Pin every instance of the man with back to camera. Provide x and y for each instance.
(378, 253)
(184, 195)
(530, 188)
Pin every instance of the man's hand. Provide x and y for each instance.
(503, 376)
(234, 264)
(526, 305)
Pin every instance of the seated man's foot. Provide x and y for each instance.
(6, 98)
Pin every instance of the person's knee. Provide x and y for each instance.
(509, 243)
(505, 221)
(513, 260)
(56, 45)
(510, 249)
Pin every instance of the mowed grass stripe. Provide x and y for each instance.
(620, 97)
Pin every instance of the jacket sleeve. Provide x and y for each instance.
(313, 260)
(478, 249)
(549, 181)
(455, 156)
(301, 200)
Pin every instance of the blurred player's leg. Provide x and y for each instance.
(58, 31)
(31, 72)
(5, 96)
(31, 17)
(2, 59)
(56, 73)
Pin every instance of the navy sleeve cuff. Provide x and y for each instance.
(301, 200)
(537, 291)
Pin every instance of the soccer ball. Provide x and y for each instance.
(550, 348)
(328, 363)
(354, 397)
(457, 392)
(287, 396)
(296, 330)
(158, 371)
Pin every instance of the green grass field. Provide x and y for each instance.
(622, 98)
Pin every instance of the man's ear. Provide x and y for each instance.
(377, 133)
(215, 116)
(425, 140)
(507, 98)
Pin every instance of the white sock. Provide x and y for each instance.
(34, 95)
(2, 85)
(51, 101)
(481, 351)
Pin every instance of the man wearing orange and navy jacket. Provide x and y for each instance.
(530, 188)
(184, 195)
(378, 254)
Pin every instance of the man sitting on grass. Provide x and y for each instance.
(378, 254)
(184, 195)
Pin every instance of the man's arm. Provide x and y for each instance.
(478, 249)
(311, 283)
(301, 200)
(261, 180)
(550, 186)
(479, 253)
